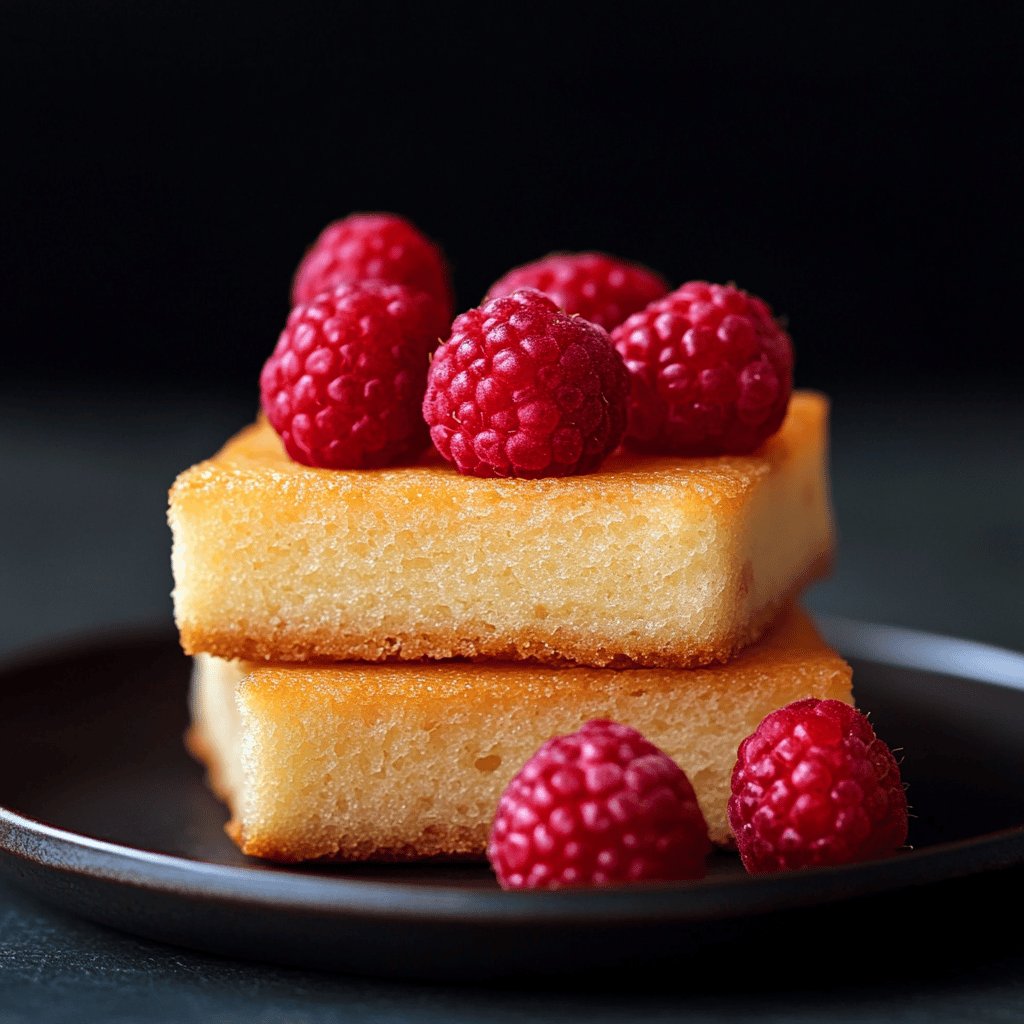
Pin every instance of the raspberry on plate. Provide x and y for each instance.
(813, 785)
(521, 389)
(600, 288)
(711, 370)
(344, 385)
(598, 807)
(380, 246)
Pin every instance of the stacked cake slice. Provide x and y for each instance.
(378, 652)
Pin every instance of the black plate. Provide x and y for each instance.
(103, 813)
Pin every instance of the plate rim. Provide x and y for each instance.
(939, 653)
(66, 852)
(24, 838)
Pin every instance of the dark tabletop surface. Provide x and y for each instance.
(929, 498)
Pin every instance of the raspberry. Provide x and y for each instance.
(600, 806)
(522, 389)
(593, 285)
(711, 368)
(381, 246)
(813, 785)
(344, 384)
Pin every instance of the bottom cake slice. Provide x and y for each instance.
(400, 761)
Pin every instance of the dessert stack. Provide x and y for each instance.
(385, 630)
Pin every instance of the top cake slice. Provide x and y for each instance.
(651, 560)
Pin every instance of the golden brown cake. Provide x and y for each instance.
(408, 760)
(652, 560)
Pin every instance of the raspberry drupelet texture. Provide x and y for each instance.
(711, 370)
(380, 246)
(600, 288)
(598, 807)
(521, 389)
(812, 786)
(344, 385)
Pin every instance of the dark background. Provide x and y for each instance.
(166, 164)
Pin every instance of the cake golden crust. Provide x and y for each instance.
(652, 560)
(407, 760)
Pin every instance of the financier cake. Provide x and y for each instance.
(428, 557)
(401, 761)
(651, 561)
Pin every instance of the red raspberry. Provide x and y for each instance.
(522, 389)
(600, 806)
(814, 785)
(381, 246)
(344, 385)
(712, 371)
(593, 285)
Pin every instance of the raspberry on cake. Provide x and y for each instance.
(600, 288)
(711, 371)
(521, 389)
(381, 246)
(343, 385)
(403, 761)
(600, 806)
(653, 560)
